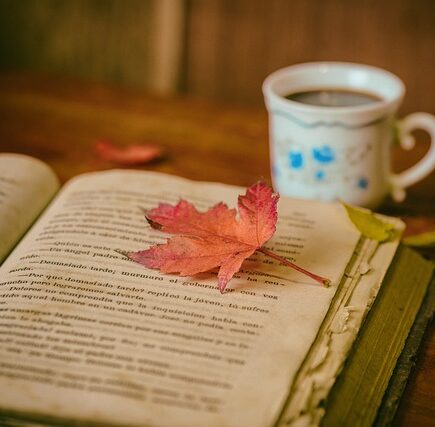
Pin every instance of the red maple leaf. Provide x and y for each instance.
(216, 238)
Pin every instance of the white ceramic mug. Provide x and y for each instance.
(341, 152)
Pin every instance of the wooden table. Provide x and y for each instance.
(59, 121)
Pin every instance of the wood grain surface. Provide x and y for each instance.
(59, 121)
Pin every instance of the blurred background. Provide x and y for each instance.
(217, 49)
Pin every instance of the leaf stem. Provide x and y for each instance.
(322, 280)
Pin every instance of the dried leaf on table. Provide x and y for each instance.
(130, 155)
(422, 240)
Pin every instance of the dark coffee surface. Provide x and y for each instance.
(334, 98)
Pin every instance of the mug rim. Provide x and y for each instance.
(282, 73)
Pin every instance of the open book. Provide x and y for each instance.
(91, 337)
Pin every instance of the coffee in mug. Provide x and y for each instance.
(331, 97)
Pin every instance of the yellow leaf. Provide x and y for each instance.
(423, 240)
(370, 225)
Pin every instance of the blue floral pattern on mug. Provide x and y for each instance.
(320, 175)
(296, 159)
(323, 155)
(363, 183)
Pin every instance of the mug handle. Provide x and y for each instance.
(422, 168)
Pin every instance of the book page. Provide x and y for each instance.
(26, 186)
(89, 335)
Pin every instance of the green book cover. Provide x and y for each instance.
(407, 361)
(358, 393)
